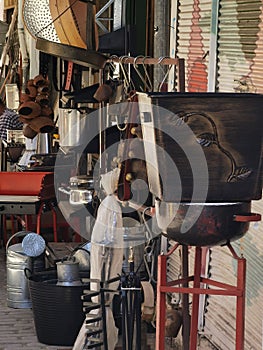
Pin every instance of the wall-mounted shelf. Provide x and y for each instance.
(83, 57)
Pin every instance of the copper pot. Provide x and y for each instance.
(30, 82)
(42, 99)
(24, 120)
(47, 111)
(45, 88)
(24, 98)
(39, 80)
(103, 93)
(31, 91)
(29, 109)
(28, 132)
(173, 322)
(42, 124)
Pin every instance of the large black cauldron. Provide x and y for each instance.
(203, 148)
(208, 224)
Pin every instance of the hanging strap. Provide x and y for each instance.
(124, 184)
(69, 74)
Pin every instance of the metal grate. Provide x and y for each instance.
(38, 20)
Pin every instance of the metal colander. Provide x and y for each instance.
(38, 20)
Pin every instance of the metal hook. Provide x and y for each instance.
(111, 63)
(135, 66)
(130, 78)
(146, 73)
(166, 73)
(111, 58)
(125, 73)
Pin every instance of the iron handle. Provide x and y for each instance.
(247, 217)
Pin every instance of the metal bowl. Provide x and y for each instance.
(206, 224)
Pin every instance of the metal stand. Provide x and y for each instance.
(179, 286)
(131, 308)
(26, 222)
(96, 328)
(51, 206)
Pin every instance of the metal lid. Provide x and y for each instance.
(33, 244)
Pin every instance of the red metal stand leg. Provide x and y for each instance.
(161, 303)
(185, 300)
(54, 220)
(39, 217)
(181, 286)
(4, 230)
(54, 217)
(77, 229)
(13, 230)
(77, 238)
(28, 223)
(240, 304)
(195, 303)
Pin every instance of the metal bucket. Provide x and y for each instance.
(17, 261)
(73, 126)
(43, 143)
(68, 273)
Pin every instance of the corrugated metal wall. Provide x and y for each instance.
(257, 66)
(194, 18)
(174, 268)
(220, 312)
(237, 41)
(219, 317)
(240, 64)
(239, 69)
(240, 44)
